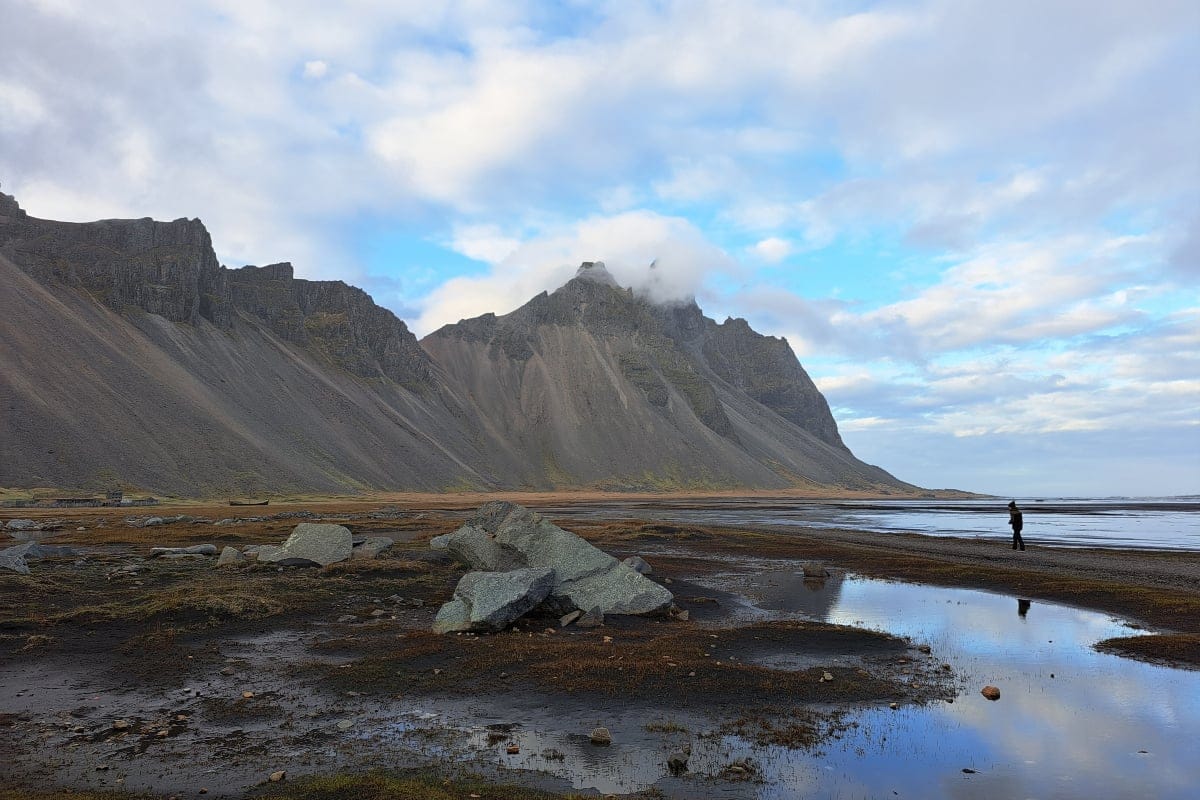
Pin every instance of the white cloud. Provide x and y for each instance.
(772, 249)
(315, 69)
(627, 243)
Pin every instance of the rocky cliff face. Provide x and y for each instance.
(169, 269)
(596, 385)
(163, 268)
(129, 356)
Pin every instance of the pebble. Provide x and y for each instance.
(122, 725)
(990, 692)
(512, 749)
(601, 736)
(345, 724)
(228, 671)
(278, 776)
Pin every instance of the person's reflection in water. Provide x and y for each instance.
(1022, 607)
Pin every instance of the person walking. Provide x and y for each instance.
(1016, 521)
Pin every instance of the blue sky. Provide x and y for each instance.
(977, 223)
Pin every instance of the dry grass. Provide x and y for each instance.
(1174, 649)
(668, 662)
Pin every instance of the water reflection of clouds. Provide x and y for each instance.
(1086, 724)
(1075, 735)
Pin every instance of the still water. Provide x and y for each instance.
(1071, 722)
(1155, 524)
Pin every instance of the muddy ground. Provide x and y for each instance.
(172, 677)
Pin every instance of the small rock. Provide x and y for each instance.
(968, 771)
(592, 619)
(344, 618)
(162, 734)
(677, 762)
(826, 676)
(814, 569)
(122, 725)
(924, 648)
(228, 671)
(247, 695)
(379, 612)
(601, 737)
(229, 556)
(567, 619)
(512, 749)
(990, 692)
(345, 724)
(893, 706)
(638, 564)
(278, 776)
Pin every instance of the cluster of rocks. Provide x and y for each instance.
(153, 522)
(28, 525)
(14, 558)
(268, 518)
(521, 561)
(311, 544)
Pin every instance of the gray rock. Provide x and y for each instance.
(491, 601)
(230, 556)
(638, 565)
(33, 549)
(322, 543)
(814, 569)
(22, 525)
(567, 619)
(475, 548)
(192, 550)
(13, 559)
(268, 553)
(152, 522)
(372, 547)
(591, 619)
(601, 736)
(585, 576)
(440, 543)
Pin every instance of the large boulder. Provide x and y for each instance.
(491, 601)
(477, 549)
(585, 577)
(322, 544)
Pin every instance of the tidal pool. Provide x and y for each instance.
(1070, 722)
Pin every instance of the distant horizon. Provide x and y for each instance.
(987, 257)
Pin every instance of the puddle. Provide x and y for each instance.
(1070, 722)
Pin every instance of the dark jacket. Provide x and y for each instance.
(1014, 519)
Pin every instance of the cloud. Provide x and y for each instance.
(627, 243)
(315, 69)
(1027, 208)
(772, 249)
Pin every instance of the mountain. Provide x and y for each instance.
(129, 356)
(594, 385)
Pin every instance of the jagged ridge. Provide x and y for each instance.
(130, 355)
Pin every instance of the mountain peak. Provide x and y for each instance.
(597, 272)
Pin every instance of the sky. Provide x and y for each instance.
(976, 223)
